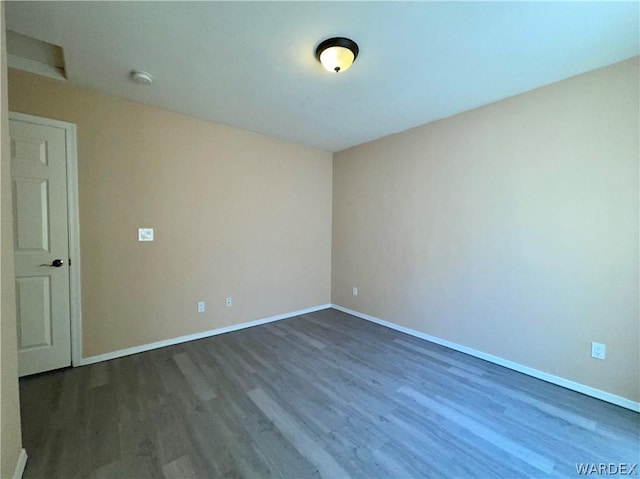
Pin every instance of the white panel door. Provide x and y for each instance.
(39, 180)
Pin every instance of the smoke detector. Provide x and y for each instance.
(141, 78)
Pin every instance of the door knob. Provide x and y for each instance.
(56, 263)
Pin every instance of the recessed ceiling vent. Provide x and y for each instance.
(35, 56)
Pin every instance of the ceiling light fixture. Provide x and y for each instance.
(337, 54)
(141, 78)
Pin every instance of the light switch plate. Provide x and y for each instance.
(145, 234)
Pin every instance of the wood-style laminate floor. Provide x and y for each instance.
(319, 395)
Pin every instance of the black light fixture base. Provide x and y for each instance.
(338, 42)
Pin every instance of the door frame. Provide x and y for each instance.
(73, 226)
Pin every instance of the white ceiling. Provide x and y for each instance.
(252, 64)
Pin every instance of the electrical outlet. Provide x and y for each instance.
(355, 291)
(229, 302)
(201, 307)
(598, 350)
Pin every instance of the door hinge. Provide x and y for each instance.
(69, 261)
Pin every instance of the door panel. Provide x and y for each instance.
(29, 151)
(34, 310)
(39, 176)
(31, 210)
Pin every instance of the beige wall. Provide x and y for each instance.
(511, 229)
(235, 214)
(10, 435)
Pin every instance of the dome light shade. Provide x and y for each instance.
(141, 78)
(337, 54)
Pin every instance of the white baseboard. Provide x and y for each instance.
(581, 388)
(20, 465)
(190, 337)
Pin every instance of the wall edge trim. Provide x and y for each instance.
(21, 464)
(550, 378)
(192, 337)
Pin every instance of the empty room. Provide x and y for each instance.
(319, 239)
